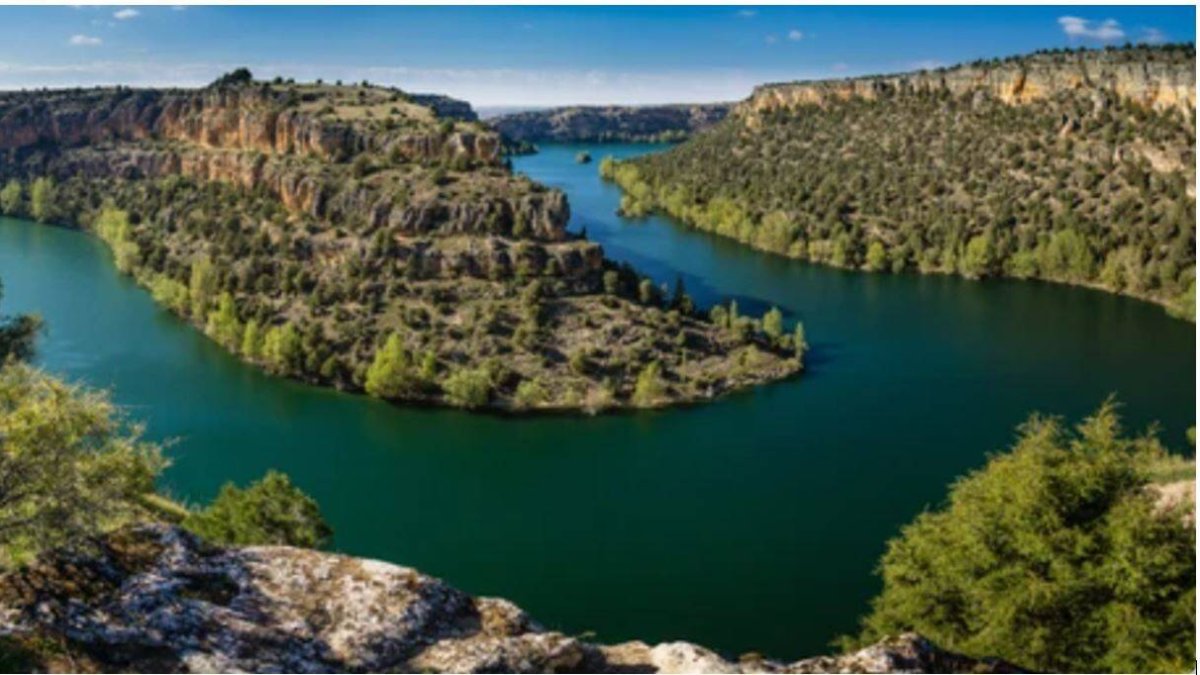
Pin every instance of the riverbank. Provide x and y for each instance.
(630, 184)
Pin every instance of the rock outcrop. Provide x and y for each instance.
(589, 124)
(154, 599)
(242, 118)
(1169, 82)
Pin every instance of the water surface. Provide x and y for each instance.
(750, 524)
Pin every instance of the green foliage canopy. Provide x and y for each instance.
(1055, 556)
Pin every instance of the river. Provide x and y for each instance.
(753, 523)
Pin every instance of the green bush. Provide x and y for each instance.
(270, 511)
(650, 388)
(1054, 557)
(469, 387)
(391, 373)
(72, 466)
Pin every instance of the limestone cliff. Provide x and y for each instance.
(254, 136)
(154, 599)
(1166, 80)
(587, 124)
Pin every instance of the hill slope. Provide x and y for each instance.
(350, 236)
(1069, 166)
(590, 124)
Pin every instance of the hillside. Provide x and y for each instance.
(349, 235)
(593, 124)
(1070, 166)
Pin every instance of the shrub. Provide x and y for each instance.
(270, 511)
(468, 387)
(1054, 556)
(73, 466)
(650, 388)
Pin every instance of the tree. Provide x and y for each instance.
(252, 340)
(647, 292)
(234, 78)
(12, 198)
(799, 341)
(41, 199)
(612, 282)
(977, 259)
(223, 324)
(282, 349)
(391, 372)
(650, 388)
(772, 323)
(270, 512)
(680, 299)
(876, 256)
(17, 334)
(69, 466)
(112, 225)
(202, 286)
(468, 387)
(1054, 556)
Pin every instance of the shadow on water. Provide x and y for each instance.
(752, 523)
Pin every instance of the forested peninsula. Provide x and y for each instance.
(1074, 166)
(368, 239)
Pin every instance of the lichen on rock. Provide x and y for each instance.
(154, 598)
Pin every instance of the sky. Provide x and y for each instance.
(540, 56)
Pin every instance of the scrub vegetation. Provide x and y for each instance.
(1080, 188)
(1065, 554)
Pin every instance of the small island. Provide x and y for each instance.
(583, 158)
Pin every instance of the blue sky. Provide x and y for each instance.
(543, 55)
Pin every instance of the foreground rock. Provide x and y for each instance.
(154, 599)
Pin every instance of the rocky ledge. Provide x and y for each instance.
(155, 599)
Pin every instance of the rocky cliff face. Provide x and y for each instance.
(249, 136)
(583, 124)
(154, 599)
(1165, 83)
(242, 118)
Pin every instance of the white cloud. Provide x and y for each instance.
(771, 39)
(1077, 28)
(81, 40)
(1152, 36)
(747, 13)
(795, 35)
(126, 14)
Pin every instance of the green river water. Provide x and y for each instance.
(753, 523)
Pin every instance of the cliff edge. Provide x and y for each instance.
(155, 599)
